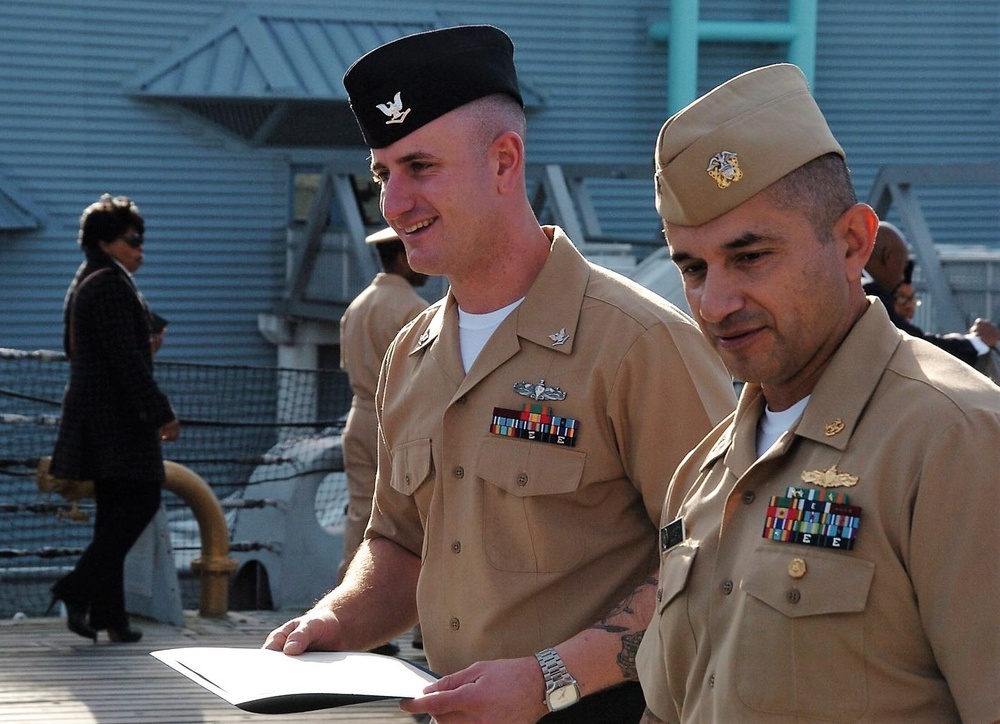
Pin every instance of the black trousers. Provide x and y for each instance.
(623, 703)
(124, 509)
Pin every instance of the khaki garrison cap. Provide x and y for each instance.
(735, 141)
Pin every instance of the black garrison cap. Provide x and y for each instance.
(406, 83)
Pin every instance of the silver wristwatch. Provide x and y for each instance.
(561, 689)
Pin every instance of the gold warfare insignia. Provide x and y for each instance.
(725, 169)
(539, 391)
(832, 428)
(829, 478)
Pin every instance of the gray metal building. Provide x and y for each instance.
(221, 118)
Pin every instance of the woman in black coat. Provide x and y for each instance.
(114, 415)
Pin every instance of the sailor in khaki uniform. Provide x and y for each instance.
(830, 552)
(370, 322)
(528, 422)
(530, 531)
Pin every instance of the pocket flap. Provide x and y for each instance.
(411, 465)
(675, 567)
(525, 469)
(824, 583)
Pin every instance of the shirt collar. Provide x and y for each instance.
(836, 403)
(551, 309)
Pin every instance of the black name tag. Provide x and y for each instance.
(671, 534)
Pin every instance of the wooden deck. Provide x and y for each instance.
(49, 675)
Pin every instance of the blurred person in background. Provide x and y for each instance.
(366, 330)
(114, 416)
(904, 296)
(887, 269)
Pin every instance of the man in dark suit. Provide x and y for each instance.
(887, 268)
(114, 415)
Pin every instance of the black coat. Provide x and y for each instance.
(112, 408)
(955, 344)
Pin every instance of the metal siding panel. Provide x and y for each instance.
(926, 92)
(215, 211)
(912, 84)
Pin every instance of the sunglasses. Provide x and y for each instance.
(133, 240)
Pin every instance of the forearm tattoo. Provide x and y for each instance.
(630, 637)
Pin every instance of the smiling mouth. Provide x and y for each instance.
(417, 227)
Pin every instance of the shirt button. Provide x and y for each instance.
(797, 568)
(461, 400)
(522, 479)
(456, 547)
(793, 595)
(727, 587)
(459, 472)
(455, 624)
(749, 497)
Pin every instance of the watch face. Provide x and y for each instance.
(563, 697)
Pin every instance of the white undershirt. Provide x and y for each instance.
(474, 330)
(772, 425)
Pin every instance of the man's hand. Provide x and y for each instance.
(506, 690)
(986, 331)
(315, 630)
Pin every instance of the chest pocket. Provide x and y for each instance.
(411, 465)
(796, 597)
(528, 505)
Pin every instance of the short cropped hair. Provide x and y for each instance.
(107, 219)
(496, 114)
(821, 188)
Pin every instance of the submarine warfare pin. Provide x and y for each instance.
(539, 391)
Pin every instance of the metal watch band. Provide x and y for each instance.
(554, 671)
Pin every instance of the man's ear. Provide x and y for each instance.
(508, 150)
(856, 229)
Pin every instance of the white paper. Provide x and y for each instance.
(272, 682)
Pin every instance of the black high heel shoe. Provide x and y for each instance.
(124, 635)
(76, 619)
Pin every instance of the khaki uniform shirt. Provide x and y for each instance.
(526, 542)
(373, 318)
(371, 321)
(901, 627)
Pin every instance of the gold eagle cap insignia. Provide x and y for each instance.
(724, 168)
(830, 478)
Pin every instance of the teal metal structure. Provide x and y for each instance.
(685, 31)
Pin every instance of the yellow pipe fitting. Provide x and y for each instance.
(214, 566)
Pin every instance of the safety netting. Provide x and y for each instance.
(236, 423)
